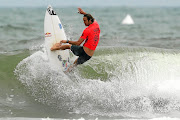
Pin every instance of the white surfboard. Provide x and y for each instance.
(54, 33)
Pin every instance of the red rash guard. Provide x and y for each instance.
(92, 35)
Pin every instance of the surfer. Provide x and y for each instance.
(90, 35)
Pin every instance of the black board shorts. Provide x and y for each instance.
(79, 51)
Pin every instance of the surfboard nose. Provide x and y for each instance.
(50, 10)
(49, 6)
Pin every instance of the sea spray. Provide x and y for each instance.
(130, 84)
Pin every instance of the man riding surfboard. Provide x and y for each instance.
(90, 35)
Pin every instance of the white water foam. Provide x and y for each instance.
(135, 84)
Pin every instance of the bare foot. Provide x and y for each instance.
(56, 46)
(52, 48)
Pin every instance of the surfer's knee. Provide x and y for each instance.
(68, 46)
(63, 47)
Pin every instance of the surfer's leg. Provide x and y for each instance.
(75, 62)
(64, 47)
(72, 66)
(58, 46)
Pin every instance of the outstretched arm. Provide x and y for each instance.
(81, 11)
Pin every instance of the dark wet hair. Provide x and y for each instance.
(89, 17)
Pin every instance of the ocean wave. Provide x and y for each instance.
(14, 27)
(119, 83)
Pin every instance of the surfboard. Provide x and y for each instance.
(54, 33)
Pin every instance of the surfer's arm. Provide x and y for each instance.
(81, 11)
(73, 42)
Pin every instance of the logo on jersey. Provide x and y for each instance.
(48, 34)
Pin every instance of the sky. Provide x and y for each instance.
(81, 3)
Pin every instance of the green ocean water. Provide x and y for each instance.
(133, 74)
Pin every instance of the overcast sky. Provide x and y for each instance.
(81, 3)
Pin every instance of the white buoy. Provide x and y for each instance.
(128, 20)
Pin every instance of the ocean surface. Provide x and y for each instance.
(134, 74)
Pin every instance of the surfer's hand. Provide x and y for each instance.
(81, 11)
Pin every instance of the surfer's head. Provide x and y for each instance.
(88, 19)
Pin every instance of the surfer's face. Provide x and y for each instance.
(86, 22)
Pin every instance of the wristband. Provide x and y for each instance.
(67, 41)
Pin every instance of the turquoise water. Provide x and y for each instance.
(133, 74)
